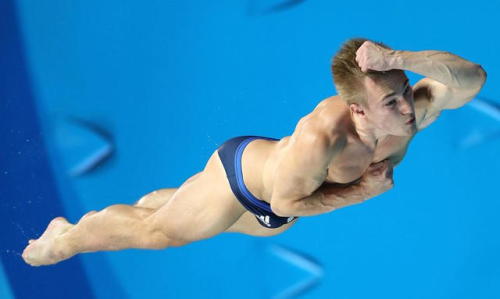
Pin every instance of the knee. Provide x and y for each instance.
(161, 238)
(118, 208)
(140, 202)
(90, 213)
(87, 215)
(145, 199)
(162, 242)
(127, 210)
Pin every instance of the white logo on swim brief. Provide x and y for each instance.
(265, 219)
(290, 219)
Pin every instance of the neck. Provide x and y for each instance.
(367, 133)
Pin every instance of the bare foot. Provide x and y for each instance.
(41, 251)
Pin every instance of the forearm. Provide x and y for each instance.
(328, 197)
(445, 67)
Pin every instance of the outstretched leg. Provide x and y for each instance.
(201, 208)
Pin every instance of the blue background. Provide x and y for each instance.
(102, 102)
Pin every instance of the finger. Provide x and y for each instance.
(381, 163)
(377, 171)
(375, 168)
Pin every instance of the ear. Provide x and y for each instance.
(357, 109)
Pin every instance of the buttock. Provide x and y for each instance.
(230, 153)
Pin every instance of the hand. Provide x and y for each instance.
(374, 57)
(378, 177)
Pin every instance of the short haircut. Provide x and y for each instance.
(347, 74)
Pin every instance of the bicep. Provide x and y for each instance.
(432, 97)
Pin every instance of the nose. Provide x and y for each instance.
(405, 107)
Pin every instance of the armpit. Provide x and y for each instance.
(423, 100)
(422, 93)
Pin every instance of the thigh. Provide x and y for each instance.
(202, 207)
(248, 224)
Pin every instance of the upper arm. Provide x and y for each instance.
(431, 97)
(302, 164)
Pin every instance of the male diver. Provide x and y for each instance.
(342, 153)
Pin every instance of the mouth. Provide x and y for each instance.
(411, 121)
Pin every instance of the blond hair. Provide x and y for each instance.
(347, 74)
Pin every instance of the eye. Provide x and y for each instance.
(391, 103)
(408, 89)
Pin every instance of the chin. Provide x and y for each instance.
(411, 131)
(400, 134)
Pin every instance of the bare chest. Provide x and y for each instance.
(356, 157)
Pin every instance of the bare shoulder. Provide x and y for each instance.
(331, 115)
(317, 138)
(327, 120)
(330, 121)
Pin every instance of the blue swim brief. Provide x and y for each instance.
(230, 153)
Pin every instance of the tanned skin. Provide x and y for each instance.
(338, 155)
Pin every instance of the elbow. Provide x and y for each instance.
(482, 75)
(476, 85)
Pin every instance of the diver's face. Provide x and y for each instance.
(390, 107)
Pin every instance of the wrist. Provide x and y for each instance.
(396, 59)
